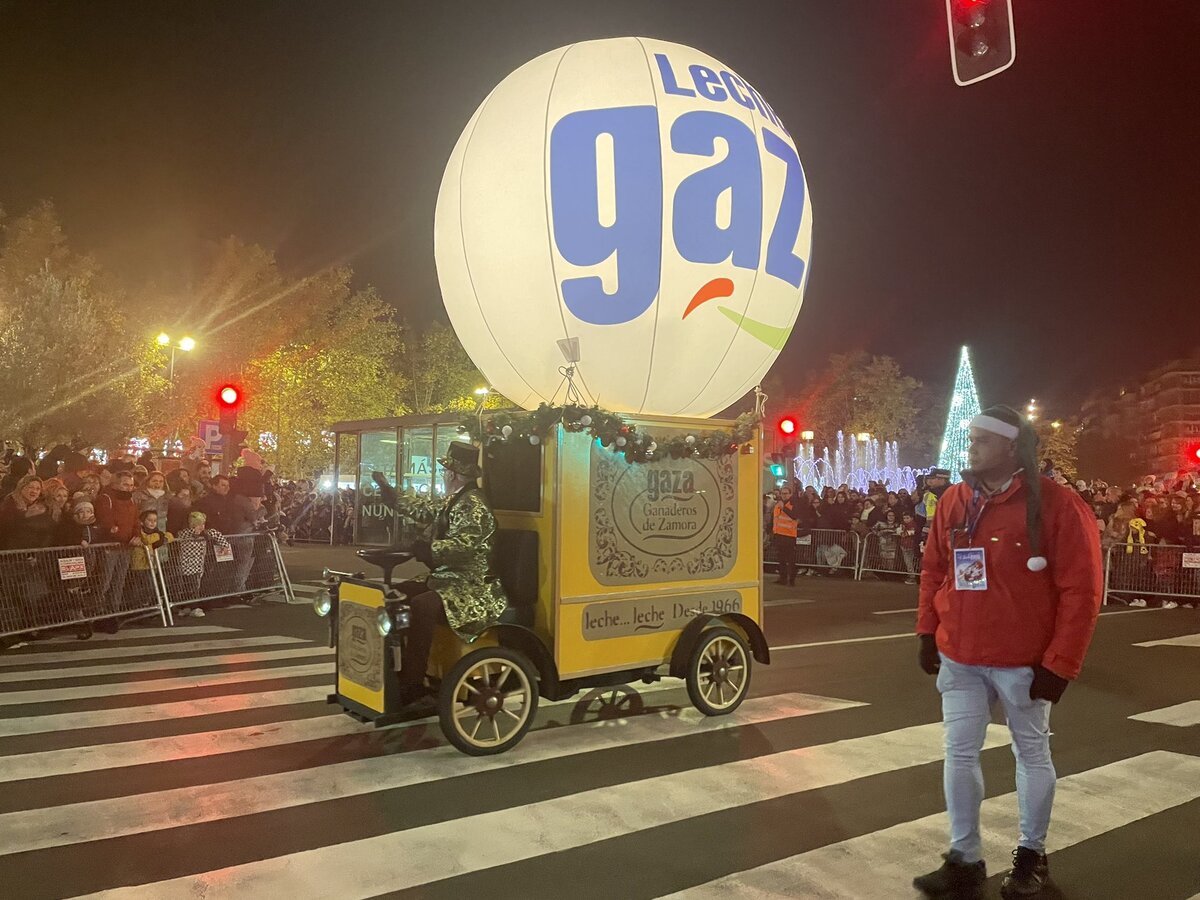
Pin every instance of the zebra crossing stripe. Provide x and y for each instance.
(102, 819)
(416, 856)
(1181, 715)
(82, 692)
(76, 760)
(132, 652)
(198, 662)
(1187, 640)
(144, 632)
(129, 715)
(881, 865)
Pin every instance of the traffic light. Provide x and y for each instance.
(787, 427)
(229, 401)
(982, 40)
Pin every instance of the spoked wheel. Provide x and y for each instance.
(718, 675)
(487, 701)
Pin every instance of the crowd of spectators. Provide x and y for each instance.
(1162, 512)
(118, 513)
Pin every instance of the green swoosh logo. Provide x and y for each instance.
(771, 335)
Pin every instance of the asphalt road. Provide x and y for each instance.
(203, 762)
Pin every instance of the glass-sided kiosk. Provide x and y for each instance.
(405, 449)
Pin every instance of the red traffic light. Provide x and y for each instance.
(787, 425)
(229, 395)
(1195, 454)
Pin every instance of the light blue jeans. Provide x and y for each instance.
(968, 693)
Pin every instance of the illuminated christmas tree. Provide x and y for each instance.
(964, 406)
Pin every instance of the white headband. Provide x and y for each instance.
(987, 423)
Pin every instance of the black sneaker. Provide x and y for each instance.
(955, 880)
(1028, 876)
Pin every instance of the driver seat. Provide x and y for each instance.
(515, 563)
(386, 558)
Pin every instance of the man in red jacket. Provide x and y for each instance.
(117, 522)
(1001, 621)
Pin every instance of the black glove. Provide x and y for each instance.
(423, 552)
(927, 656)
(1046, 685)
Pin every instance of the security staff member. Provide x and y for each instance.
(783, 534)
(1000, 621)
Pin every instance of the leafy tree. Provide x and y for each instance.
(68, 371)
(857, 392)
(1059, 445)
(340, 367)
(438, 374)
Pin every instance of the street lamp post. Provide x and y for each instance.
(186, 344)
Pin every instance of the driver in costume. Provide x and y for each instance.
(460, 590)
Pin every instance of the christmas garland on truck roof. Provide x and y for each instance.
(613, 432)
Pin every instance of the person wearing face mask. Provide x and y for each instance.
(153, 495)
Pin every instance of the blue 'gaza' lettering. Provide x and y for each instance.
(670, 86)
(781, 261)
(635, 237)
(698, 238)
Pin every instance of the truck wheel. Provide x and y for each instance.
(487, 701)
(718, 673)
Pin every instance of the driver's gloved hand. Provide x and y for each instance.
(423, 552)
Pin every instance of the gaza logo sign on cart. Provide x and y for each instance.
(638, 195)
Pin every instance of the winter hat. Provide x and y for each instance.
(247, 481)
(1008, 423)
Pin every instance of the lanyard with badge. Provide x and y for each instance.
(970, 563)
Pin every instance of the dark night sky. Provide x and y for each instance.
(1048, 216)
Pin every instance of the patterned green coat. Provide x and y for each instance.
(463, 534)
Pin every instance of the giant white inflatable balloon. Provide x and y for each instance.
(640, 196)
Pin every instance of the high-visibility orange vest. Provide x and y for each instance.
(782, 523)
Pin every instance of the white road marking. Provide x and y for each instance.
(183, 709)
(128, 653)
(858, 640)
(881, 865)
(893, 612)
(164, 665)
(73, 760)
(1123, 612)
(795, 602)
(103, 819)
(142, 632)
(1187, 640)
(1181, 715)
(367, 867)
(127, 688)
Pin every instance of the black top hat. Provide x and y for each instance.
(462, 459)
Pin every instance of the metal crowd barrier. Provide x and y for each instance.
(1152, 570)
(55, 587)
(887, 554)
(822, 549)
(60, 587)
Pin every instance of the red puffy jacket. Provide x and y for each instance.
(1024, 618)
